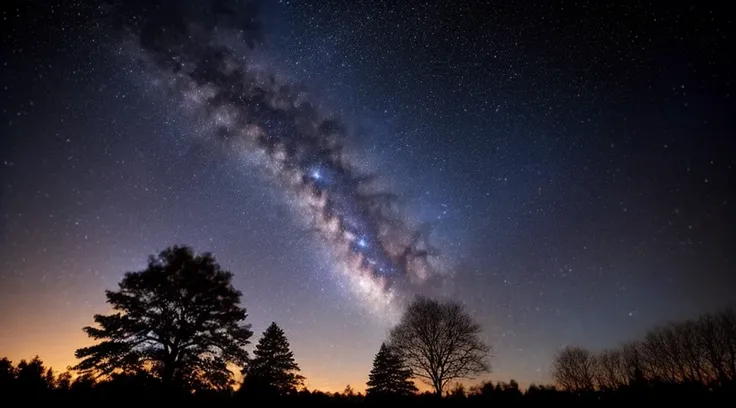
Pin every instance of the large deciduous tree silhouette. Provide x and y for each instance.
(440, 342)
(179, 320)
(389, 375)
(272, 371)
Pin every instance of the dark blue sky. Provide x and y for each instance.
(575, 164)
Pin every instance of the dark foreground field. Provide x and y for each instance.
(44, 387)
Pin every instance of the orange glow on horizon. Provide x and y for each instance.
(56, 350)
(54, 333)
(54, 339)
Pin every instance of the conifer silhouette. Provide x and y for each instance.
(273, 370)
(389, 375)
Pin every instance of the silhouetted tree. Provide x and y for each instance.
(540, 389)
(485, 388)
(693, 353)
(507, 393)
(389, 375)
(727, 322)
(439, 342)
(610, 371)
(272, 371)
(179, 319)
(574, 369)
(64, 381)
(33, 377)
(7, 373)
(512, 387)
(83, 384)
(717, 339)
(661, 362)
(633, 363)
(457, 392)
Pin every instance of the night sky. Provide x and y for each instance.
(568, 167)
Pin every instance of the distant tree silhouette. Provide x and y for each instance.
(83, 384)
(272, 371)
(389, 375)
(33, 377)
(439, 341)
(457, 392)
(180, 320)
(482, 389)
(717, 337)
(701, 351)
(502, 394)
(574, 369)
(64, 381)
(610, 370)
(633, 363)
(7, 373)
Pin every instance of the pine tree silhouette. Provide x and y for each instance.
(389, 375)
(273, 370)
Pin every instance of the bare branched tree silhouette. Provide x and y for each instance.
(440, 342)
(574, 369)
(696, 351)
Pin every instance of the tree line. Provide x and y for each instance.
(700, 351)
(178, 332)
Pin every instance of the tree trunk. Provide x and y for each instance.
(437, 387)
(167, 376)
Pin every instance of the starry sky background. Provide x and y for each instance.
(575, 162)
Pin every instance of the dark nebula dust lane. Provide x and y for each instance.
(190, 46)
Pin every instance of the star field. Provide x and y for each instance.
(570, 163)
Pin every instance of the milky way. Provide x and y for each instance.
(192, 48)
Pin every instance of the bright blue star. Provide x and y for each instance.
(316, 174)
(362, 243)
